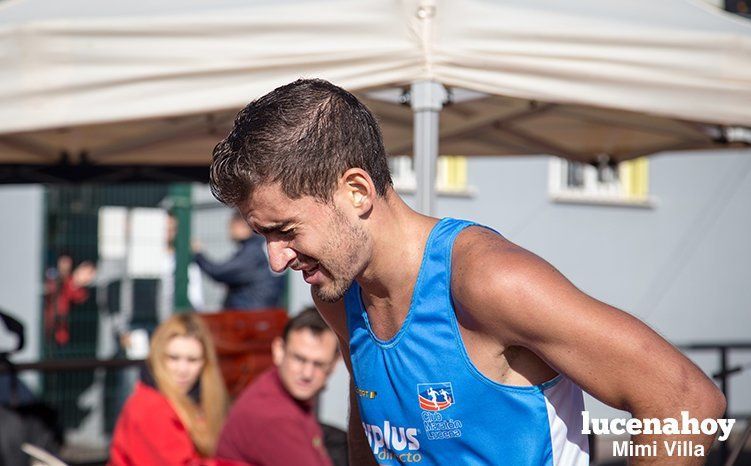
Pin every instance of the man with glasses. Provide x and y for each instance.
(273, 421)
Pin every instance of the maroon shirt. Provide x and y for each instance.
(267, 427)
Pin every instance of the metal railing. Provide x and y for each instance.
(722, 376)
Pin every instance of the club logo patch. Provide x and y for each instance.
(435, 396)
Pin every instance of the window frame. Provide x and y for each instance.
(596, 191)
(448, 182)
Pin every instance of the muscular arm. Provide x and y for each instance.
(359, 450)
(523, 301)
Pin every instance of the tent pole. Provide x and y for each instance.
(427, 99)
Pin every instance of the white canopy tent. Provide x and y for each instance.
(157, 83)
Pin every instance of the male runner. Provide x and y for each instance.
(422, 305)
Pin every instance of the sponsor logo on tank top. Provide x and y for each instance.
(433, 398)
(393, 442)
(369, 394)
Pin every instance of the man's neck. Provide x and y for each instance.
(399, 238)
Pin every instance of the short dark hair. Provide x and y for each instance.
(307, 318)
(304, 135)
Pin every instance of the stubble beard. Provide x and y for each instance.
(344, 253)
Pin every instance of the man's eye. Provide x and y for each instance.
(289, 232)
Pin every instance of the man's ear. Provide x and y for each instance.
(277, 351)
(356, 190)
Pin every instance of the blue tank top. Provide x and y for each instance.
(422, 401)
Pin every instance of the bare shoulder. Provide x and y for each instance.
(481, 257)
(491, 279)
(478, 241)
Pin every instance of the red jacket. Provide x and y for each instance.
(60, 296)
(149, 433)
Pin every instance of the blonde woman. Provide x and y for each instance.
(176, 411)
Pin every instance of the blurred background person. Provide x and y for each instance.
(273, 421)
(66, 318)
(163, 305)
(250, 282)
(64, 287)
(166, 291)
(151, 298)
(177, 409)
(23, 419)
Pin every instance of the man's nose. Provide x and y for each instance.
(280, 255)
(308, 369)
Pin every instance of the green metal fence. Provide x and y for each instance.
(71, 218)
